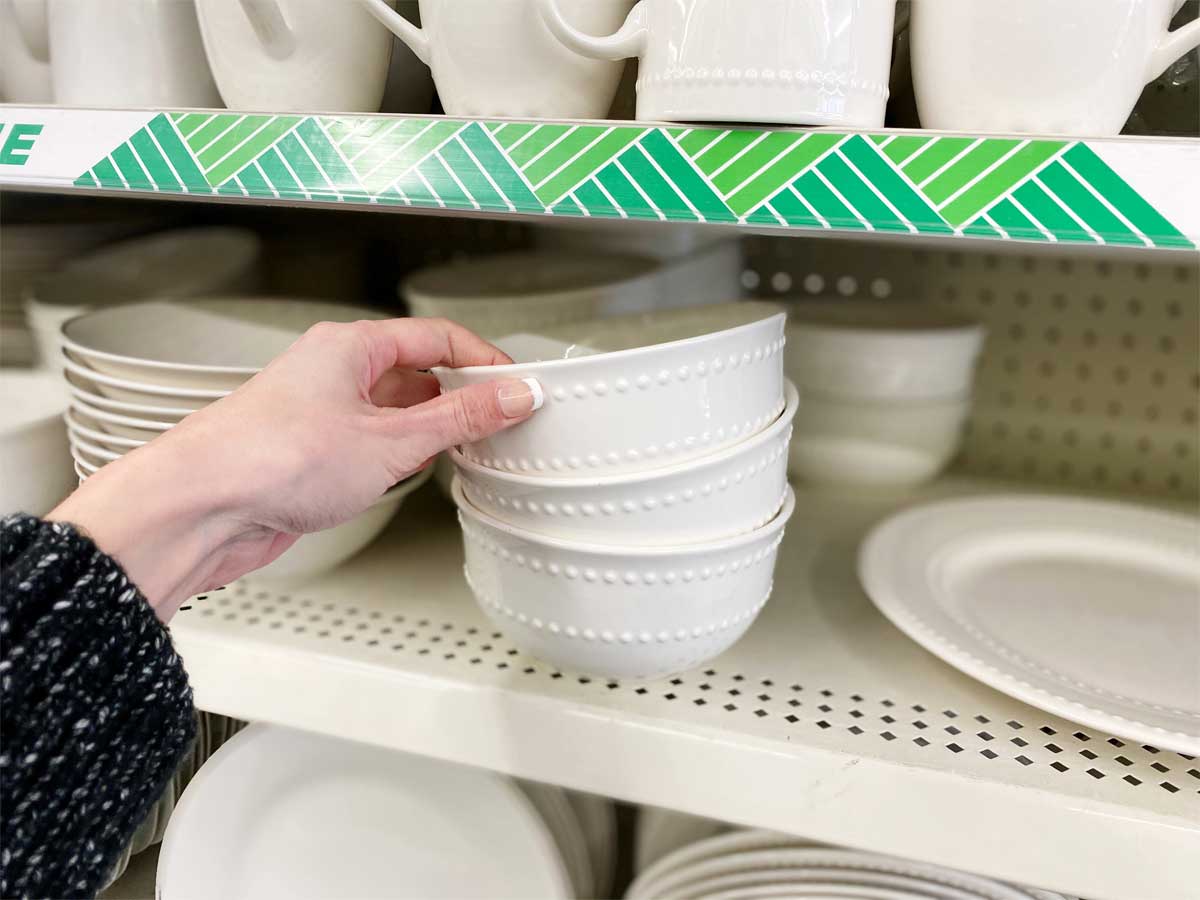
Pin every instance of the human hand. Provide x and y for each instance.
(308, 443)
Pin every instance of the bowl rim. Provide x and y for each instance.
(153, 390)
(75, 427)
(102, 415)
(704, 548)
(631, 353)
(99, 400)
(955, 327)
(773, 430)
(98, 452)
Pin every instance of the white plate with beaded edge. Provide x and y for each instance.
(1087, 609)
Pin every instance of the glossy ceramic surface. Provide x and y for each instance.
(137, 392)
(497, 58)
(129, 53)
(1040, 66)
(1087, 609)
(25, 52)
(716, 496)
(35, 466)
(695, 381)
(804, 62)
(296, 55)
(618, 612)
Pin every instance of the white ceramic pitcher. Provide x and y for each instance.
(24, 52)
(1040, 66)
(139, 53)
(497, 58)
(296, 55)
(802, 62)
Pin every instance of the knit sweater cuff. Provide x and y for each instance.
(97, 710)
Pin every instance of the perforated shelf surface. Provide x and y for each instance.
(824, 721)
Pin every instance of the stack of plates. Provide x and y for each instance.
(191, 262)
(762, 864)
(136, 371)
(630, 528)
(281, 813)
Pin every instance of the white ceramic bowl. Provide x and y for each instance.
(80, 427)
(140, 392)
(206, 344)
(876, 349)
(120, 426)
(618, 612)
(317, 553)
(527, 291)
(720, 495)
(80, 388)
(695, 382)
(35, 463)
(839, 441)
(85, 451)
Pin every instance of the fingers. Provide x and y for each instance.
(465, 416)
(403, 388)
(423, 344)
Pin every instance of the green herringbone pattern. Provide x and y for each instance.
(1001, 188)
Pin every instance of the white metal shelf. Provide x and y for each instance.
(824, 721)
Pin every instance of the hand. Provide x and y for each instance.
(306, 444)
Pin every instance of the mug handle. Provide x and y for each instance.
(270, 26)
(1173, 45)
(630, 39)
(30, 18)
(416, 38)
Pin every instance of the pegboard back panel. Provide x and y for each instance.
(1091, 372)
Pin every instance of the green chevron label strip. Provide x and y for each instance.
(905, 183)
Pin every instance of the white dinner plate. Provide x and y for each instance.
(1089, 610)
(283, 813)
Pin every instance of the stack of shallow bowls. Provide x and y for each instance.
(189, 262)
(135, 371)
(630, 527)
(885, 389)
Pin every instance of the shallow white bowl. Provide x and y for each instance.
(120, 426)
(83, 450)
(720, 495)
(205, 344)
(618, 612)
(83, 389)
(695, 382)
(141, 392)
(839, 441)
(317, 553)
(80, 426)
(35, 462)
(881, 349)
(526, 291)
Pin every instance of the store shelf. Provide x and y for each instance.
(824, 721)
(1131, 192)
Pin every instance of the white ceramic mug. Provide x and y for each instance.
(24, 52)
(802, 62)
(296, 55)
(1040, 66)
(138, 53)
(496, 57)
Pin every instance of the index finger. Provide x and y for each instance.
(425, 343)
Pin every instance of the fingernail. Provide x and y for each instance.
(520, 398)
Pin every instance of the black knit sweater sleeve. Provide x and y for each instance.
(95, 710)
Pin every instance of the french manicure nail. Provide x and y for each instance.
(519, 398)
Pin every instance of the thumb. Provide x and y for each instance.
(468, 415)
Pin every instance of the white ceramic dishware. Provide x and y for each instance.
(80, 428)
(81, 389)
(1040, 66)
(1087, 609)
(497, 58)
(89, 454)
(618, 612)
(35, 464)
(129, 53)
(118, 425)
(277, 813)
(186, 262)
(317, 553)
(212, 344)
(525, 291)
(598, 818)
(840, 440)
(409, 87)
(25, 52)
(296, 55)
(673, 386)
(556, 811)
(720, 495)
(134, 392)
(771, 61)
(881, 350)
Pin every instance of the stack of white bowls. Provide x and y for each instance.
(135, 371)
(885, 389)
(630, 527)
(751, 864)
(188, 262)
